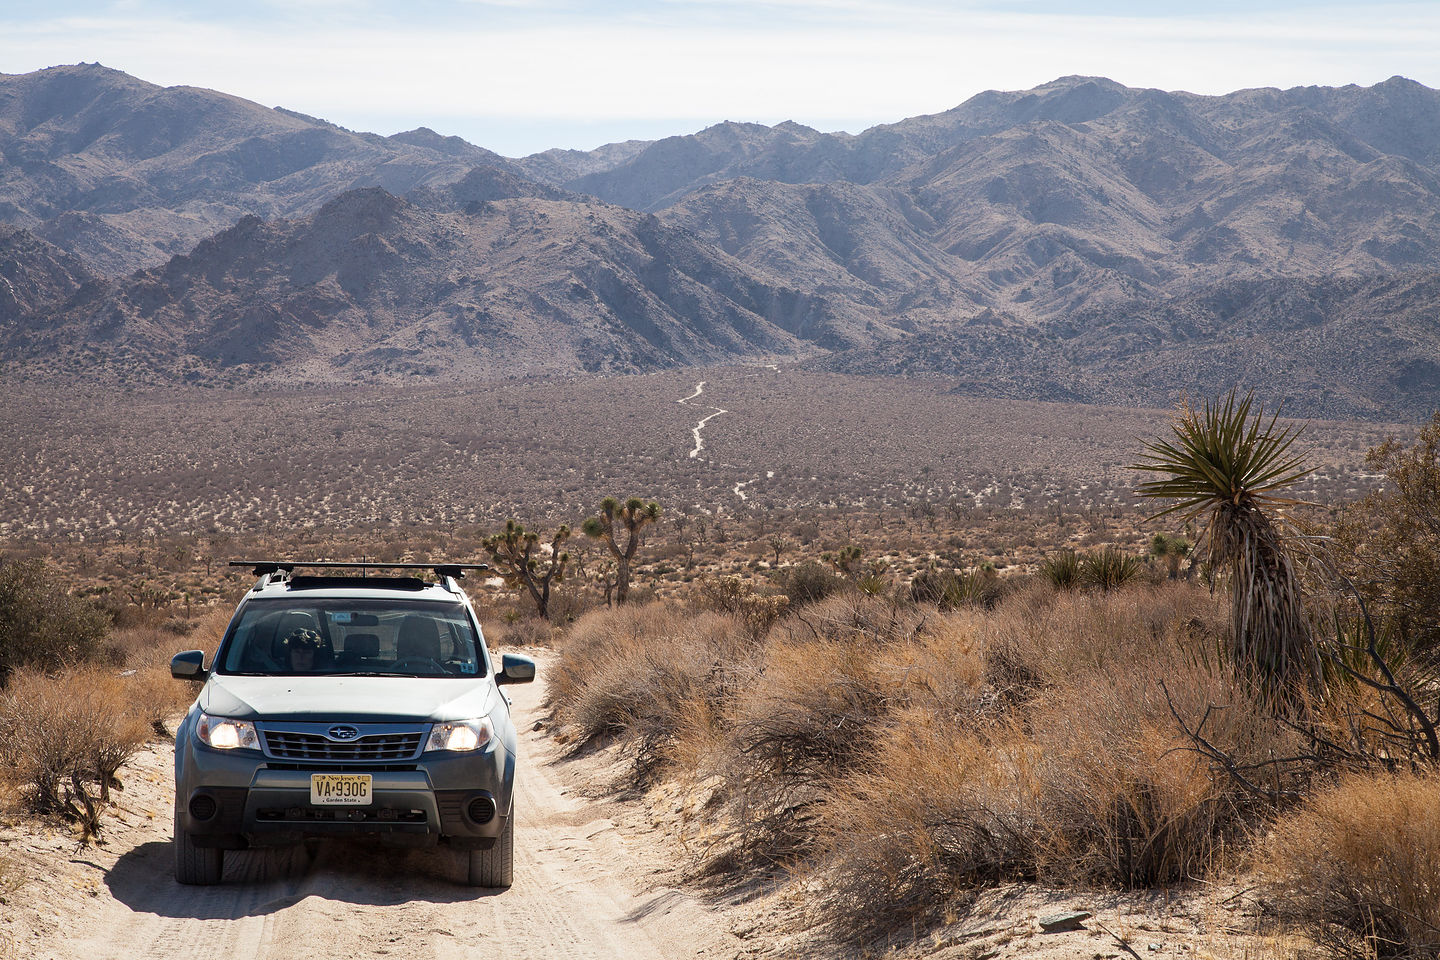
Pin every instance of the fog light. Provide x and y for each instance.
(481, 809)
(202, 807)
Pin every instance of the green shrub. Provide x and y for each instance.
(41, 625)
(808, 582)
(951, 590)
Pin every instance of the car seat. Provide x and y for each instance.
(419, 638)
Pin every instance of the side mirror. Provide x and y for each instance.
(189, 665)
(515, 669)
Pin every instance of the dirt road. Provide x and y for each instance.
(585, 886)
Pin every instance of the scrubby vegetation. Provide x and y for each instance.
(42, 624)
(899, 688)
(84, 697)
(904, 754)
(1360, 863)
(1096, 723)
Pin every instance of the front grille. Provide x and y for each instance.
(378, 748)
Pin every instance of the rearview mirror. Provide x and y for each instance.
(189, 665)
(515, 669)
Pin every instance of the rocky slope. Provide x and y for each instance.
(126, 174)
(375, 287)
(1082, 239)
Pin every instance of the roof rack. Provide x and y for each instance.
(263, 568)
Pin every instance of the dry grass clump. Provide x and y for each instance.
(64, 738)
(1124, 799)
(1360, 861)
(940, 808)
(808, 718)
(906, 755)
(1036, 741)
(644, 674)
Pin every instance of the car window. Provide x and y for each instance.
(298, 636)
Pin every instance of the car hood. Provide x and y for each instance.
(376, 699)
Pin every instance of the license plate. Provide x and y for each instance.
(339, 789)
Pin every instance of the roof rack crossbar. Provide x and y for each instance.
(264, 567)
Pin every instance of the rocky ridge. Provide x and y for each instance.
(1080, 240)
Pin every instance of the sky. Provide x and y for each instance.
(520, 76)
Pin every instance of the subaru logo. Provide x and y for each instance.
(342, 733)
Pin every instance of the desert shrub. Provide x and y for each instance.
(735, 596)
(641, 674)
(803, 722)
(1125, 800)
(1391, 539)
(928, 586)
(808, 582)
(1109, 569)
(1360, 862)
(64, 738)
(41, 625)
(950, 807)
(520, 631)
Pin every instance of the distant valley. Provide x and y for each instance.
(1083, 242)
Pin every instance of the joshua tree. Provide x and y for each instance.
(846, 560)
(778, 544)
(512, 554)
(1227, 469)
(630, 520)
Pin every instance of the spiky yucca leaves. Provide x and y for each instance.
(1062, 569)
(1227, 470)
(1110, 569)
(632, 518)
(513, 555)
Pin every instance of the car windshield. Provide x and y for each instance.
(296, 637)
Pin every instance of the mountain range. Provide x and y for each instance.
(1083, 241)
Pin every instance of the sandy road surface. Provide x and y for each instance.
(584, 887)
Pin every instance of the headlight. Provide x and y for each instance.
(224, 734)
(461, 735)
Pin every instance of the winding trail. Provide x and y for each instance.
(699, 441)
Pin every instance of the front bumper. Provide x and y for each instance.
(240, 798)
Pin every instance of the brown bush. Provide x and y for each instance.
(1124, 799)
(63, 739)
(1360, 861)
(908, 755)
(941, 808)
(800, 725)
(645, 673)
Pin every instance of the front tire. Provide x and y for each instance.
(195, 866)
(495, 868)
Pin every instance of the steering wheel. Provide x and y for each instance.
(415, 664)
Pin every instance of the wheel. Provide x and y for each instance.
(194, 865)
(496, 867)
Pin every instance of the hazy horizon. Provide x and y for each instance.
(522, 76)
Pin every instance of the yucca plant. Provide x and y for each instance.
(1109, 569)
(1228, 471)
(1062, 569)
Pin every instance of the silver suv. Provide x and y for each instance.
(345, 705)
